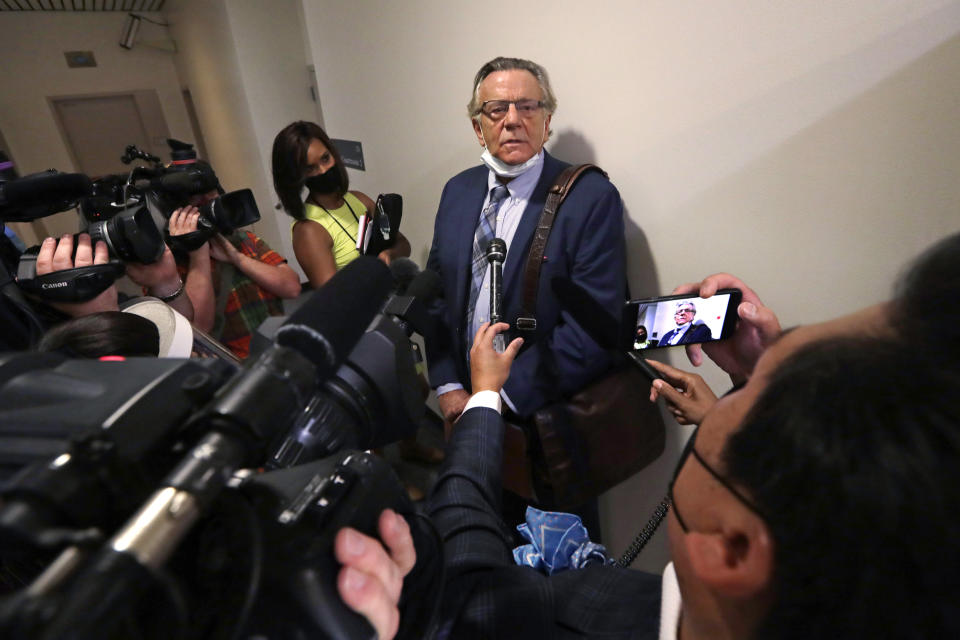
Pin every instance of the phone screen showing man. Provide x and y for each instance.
(677, 320)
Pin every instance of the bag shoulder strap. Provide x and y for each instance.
(531, 274)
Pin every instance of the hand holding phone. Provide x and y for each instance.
(758, 327)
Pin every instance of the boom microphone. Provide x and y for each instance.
(425, 287)
(329, 324)
(41, 194)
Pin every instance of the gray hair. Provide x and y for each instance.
(511, 64)
(686, 303)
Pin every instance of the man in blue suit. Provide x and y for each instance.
(510, 110)
(687, 331)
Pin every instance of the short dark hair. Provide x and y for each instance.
(932, 281)
(289, 163)
(852, 452)
(106, 333)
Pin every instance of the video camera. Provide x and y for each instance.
(118, 209)
(188, 179)
(165, 454)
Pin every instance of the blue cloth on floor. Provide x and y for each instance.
(558, 541)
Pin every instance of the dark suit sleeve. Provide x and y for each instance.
(567, 359)
(440, 356)
(486, 595)
(697, 333)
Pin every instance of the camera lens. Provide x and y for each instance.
(131, 236)
(231, 211)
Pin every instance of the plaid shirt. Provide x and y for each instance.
(247, 305)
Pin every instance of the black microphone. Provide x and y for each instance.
(403, 271)
(425, 287)
(47, 188)
(496, 254)
(410, 308)
(329, 324)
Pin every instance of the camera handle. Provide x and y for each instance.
(68, 285)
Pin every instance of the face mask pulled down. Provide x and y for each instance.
(501, 168)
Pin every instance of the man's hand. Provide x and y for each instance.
(371, 579)
(489, 370)
(159, 278)
(183, 221)
(452, 404)
(757, 328)
(58, 256)
(687, 396)
(221, 249)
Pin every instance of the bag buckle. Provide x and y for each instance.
(526, 324)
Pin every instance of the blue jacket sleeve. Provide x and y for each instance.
(439, 348)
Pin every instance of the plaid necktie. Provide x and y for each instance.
(486, 231)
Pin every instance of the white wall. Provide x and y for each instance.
(34, 68)
(245, 65)
(811, 148)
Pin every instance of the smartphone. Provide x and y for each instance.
(670, 321)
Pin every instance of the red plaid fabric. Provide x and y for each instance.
(248, 305)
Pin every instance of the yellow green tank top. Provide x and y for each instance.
(341, 224)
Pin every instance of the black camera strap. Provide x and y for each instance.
(187, 242)
(69, 285)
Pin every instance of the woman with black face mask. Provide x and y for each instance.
(326, 225)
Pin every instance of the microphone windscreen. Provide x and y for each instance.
(425, 287)
(496, 250)
(599, 325)
(46, 187)
(403, 271)
(328, 325)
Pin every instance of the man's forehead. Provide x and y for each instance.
(510, 80)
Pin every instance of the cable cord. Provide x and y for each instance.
(645, 535)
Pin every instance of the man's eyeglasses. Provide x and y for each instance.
(687, 450)
(679, 311)
(497, 109)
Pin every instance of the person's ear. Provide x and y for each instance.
(736, 562)
(478, 131)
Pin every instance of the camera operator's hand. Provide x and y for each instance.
(58, 256)
(162, 280)
(371, 579)
(278, 279)
(687, 395)
(489, 370)
(221, 249)
(757, 328)
(198, 284)
(183, 221)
